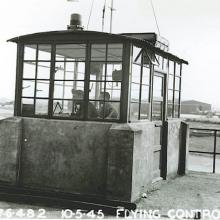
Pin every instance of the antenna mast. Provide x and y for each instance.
(112, 9)
(103, 16)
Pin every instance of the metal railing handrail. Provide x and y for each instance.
(214, 153)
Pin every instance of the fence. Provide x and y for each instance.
(209, 133)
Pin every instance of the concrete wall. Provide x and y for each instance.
(10, 138)
(93, 158)
(70, 156)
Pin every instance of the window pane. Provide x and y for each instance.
(98, 52)
(68, 108)
(97, 71)
(30, 52)
(93, 112)
(169, 110)
(170, 96)
(28, 88)
(144, 111)
(135, 90)
(44, 52)
(170, 86)
(59, 71)
(95, 89)
(145, 93)
(29, 69)
(177, 83)
(177, 69)
(43, 70)
(27, 107)
(157, 111)
(114, 72)
(176, 111)
(70, 70)
(115, 52)
(158, 87)
(114, 90)
(42, 89)
(136, 73)
(134, 109)
(41, 107)
(146, 76)
(65, 89)
(176, 98)
(110, 110)
(74, 52)
(171, 67)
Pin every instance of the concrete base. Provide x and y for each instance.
(109, 160)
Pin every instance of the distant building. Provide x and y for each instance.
(194, 107)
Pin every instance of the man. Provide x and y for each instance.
(78, 106)
(107, 111)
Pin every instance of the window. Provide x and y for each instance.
(174, 90)
(140, 84)
(158, 97)
(105, 81)
(36, 80)
(69, 77)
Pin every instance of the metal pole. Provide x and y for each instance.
(111, 16)
(103, 16)
(214, 155)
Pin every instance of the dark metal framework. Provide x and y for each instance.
(154, 65)
(214, 153)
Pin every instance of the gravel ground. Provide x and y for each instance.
(196, 190)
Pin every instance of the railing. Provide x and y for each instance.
(214, 152)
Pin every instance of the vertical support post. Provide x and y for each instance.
(124, 107)
(184, 148)
(214, 153)
(87, 81)
(19, 74)
(164, 150)
(52, 73)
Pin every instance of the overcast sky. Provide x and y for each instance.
(191, 26)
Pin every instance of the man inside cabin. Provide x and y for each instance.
(107, 111)
(78, 106)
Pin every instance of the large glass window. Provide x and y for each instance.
(36, 80)
(105, 81)
(69, 76)
(174, 91)
(140, 84)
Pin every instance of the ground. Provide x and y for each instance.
(196, 190)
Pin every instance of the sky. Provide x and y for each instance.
(191, 26)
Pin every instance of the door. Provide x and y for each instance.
(158, 115)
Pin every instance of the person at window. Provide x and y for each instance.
(107, 110)
(78, 106)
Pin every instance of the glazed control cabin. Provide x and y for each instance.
(95, 114)
(141, 79)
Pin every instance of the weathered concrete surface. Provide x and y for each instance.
(93, 158)
(173, 147)
(70, 156)
(143, 156)
(192, 191)
(130, 160)
(10, 139)
(120, 162)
